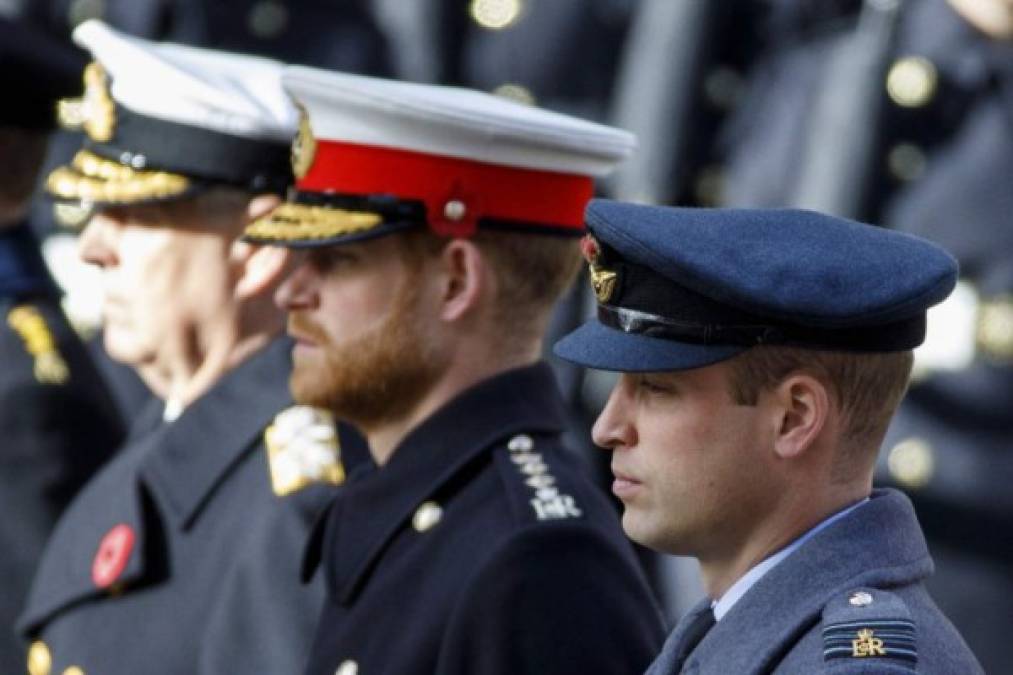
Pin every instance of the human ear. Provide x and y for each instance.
(463, 279)
(803, 406)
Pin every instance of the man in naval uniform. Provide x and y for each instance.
(761, 355)
(181, 555)
(57, 420)
(437, 231)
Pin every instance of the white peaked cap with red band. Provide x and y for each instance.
(463, 158)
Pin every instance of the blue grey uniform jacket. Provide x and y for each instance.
(178, 557)
(849, 600)
(480, 549)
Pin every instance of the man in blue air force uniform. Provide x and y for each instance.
(762, 354)
(437, 225)
(181, 556)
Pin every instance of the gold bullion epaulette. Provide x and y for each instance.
(303, 449)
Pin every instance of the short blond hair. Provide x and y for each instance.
(865, 387)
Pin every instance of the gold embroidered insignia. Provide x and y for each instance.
(865, 644)
(603, 281)
(301, 222)
(49, 368)
(304, 146)
(95, 112)
(302, 449)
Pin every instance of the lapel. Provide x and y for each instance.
(668, 661)
(175, 465)
(370, 511)
(110, 505)
(198, 450)
(879, 544)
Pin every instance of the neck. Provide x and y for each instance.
(465, 371)
(791, 518)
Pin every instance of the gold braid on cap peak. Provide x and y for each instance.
(90, 178)
(297, 222)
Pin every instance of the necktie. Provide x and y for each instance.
(702, 622)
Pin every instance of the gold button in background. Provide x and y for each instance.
(912, 462)
(912, 81)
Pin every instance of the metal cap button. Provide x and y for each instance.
(860, 599)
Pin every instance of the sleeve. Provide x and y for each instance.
(556, 599)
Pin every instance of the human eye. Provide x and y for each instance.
(655, 385)
(329, 259)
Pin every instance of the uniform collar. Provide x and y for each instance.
(214, 432)
(370, 511)
(878, 544)
(722, 605)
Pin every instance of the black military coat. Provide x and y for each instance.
(178, 557)
(479, 549)
(58, 423)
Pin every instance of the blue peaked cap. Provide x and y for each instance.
(681, 288)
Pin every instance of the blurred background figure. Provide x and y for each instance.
(896, 112)
(58, 422)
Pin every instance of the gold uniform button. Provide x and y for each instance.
(39, 659)
(912, 81)
(515, 92)
(912, 462)
(267, 19)
(906, 161)
(73, 670)
(496, 14)
(427, 516)
(994, 330)
(348, 667)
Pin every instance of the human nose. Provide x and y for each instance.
(96, 243)
(613, 428)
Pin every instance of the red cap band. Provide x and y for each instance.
(482, 190)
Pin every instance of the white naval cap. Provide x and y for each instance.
(163, 120)
(374, 156)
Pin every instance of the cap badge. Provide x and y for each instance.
(95, 112)
(304, 146)
(603, 281)
(302, 449)
(112, 555)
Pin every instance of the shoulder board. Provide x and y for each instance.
(533, 484)
(303, 449)
(869, 625)
(49, 366)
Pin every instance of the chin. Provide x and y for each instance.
(125, 350)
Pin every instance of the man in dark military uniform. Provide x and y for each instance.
(435, 222)
(181, 556)
(57, 421)
(761, 355)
